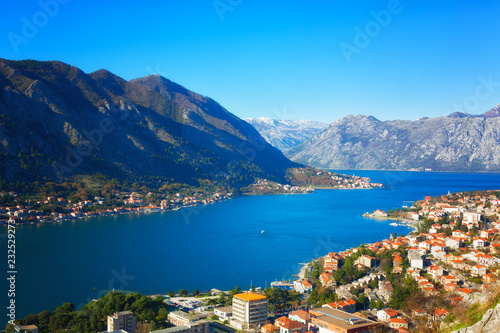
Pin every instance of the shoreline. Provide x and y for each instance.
(151, 210)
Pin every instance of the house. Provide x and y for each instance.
(307, 285)
(269, 328)
(397, 261)
(489, 278)
(326, 279)
(487, 260)
(293, 326)
(386, 314)
(397, 323)
(379, 213)
(386, 289)
(347, 306)
(495, 248)
(435, 271)
(448, 278)
(366, 261)
(454, 243)
(439, 314)
(416, 260)
(478, 270)
(281, 321)
(479, 242)
(450, 287)
(301, 316)
(471, 218)
(397, 270)
(224, 313)
(434, 228)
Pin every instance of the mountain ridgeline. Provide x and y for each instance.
(459, 142)
(58, 123)
(285, 134)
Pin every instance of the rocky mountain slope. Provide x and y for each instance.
(453, 143)
(57, 122)
(285, 134)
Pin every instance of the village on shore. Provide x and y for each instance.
(133, 202)
(436, 278)
(426, 279)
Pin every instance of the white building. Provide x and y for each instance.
(471, 218)
(125, 320)
(224, 313)
(249, 310)
(416, 260)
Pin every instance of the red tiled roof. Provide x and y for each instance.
(292, 324)
(391, 312)
(398, 320)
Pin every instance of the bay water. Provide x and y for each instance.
(243, 241)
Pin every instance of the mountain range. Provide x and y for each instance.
(285, 134)
(458, 142)
(57, 122)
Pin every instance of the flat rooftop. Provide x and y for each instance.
(250, 296)
(341, 319)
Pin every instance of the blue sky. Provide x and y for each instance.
(317, 60)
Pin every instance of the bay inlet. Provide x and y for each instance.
(214, 246)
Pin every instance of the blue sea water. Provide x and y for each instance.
(216, 246)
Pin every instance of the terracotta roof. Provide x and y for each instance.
(304, 315)
(440, 312)
(292, 324)
(250, 296)
(398, 320)
(391, 312)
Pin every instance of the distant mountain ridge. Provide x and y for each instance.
(458, 142)
(57, 122)
(285, 134)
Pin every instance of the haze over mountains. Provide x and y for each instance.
(285, 134)
(458, 142)
(56, 122)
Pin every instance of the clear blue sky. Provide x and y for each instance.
(280, 59)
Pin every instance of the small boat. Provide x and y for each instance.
(263, 231)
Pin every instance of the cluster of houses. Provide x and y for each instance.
(132, 203)
(343, 181)
(461, 264)
(264, 184)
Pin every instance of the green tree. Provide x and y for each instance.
(196, 292)
(171, 294)
(362, 302)
(183, 293)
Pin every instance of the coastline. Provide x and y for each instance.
(153, 209)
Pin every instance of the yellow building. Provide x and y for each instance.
(250, 310)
